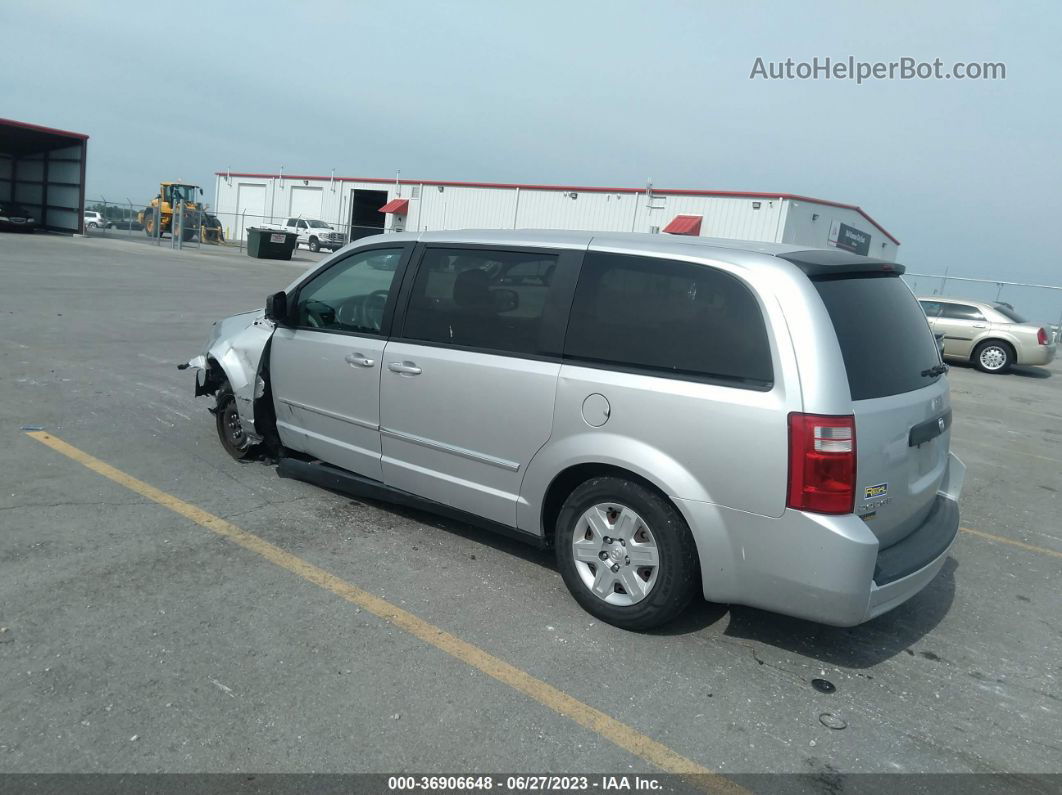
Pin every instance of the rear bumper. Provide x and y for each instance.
(822, 568)
(906, 568)
(1041, 354)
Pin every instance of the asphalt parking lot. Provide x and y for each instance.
(136, 638)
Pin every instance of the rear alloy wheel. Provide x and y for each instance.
(230, 429)
(625, 553)
(993, 357)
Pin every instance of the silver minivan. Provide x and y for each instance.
(764, 424)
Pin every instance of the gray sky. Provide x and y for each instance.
(964, 173)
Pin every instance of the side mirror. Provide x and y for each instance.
(200, 191)
(276, 308)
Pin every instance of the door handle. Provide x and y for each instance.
(359, 360)
(406, 368)
(980, 325)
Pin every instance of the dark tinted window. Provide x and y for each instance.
(884, 337)
(1008, 312)
(673, 317)
(960, 312)
(481, 299)
(931, 308)
(351, 295)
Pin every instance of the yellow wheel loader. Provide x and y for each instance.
(163, 208)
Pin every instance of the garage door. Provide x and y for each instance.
(250, 206)
(305, 202)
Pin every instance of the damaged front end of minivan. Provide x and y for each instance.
(234, 368)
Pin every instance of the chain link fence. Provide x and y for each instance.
(199, 227)
(178, 228)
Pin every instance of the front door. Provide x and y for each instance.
(467, 393)
(960, 324)
(325, 370)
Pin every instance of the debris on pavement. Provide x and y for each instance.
(831, 721)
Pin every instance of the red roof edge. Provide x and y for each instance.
(38, 128)
(576, 188)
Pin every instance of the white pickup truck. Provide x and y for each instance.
(312, 233)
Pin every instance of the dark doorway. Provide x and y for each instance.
(365, 216)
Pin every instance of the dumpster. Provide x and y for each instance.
(270, 243)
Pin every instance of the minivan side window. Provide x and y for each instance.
(351, 295)
(477, 298)
(670, 318)
(961, 312)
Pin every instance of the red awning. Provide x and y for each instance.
(396, 206)
(685, 225)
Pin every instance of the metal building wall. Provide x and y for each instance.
(435, 206)
(809, 224)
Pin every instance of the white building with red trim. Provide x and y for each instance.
(362, 206)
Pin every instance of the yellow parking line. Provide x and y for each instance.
(1020, 544)
(619, 733)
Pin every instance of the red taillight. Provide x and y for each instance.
(1041, 337)
(822, 463)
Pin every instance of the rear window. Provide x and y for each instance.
(1008, 312)
(884, 337)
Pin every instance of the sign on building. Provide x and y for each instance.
(849, 238)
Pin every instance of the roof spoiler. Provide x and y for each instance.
(817, 263)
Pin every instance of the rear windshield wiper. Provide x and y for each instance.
(939, 369)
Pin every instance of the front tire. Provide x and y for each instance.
(315, 245)
(993, 356)
(230, 430)
(625, 553)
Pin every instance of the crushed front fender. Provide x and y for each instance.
(236, 353)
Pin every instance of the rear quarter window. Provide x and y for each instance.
(667, 317)
(884, 338)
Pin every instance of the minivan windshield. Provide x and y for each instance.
(885, 340)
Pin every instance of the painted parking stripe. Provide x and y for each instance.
(622, 735)
(1012, 542)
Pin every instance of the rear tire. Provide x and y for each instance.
(993, 356)
(230, 431)
(625, 553)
